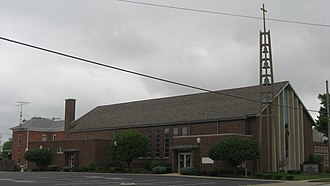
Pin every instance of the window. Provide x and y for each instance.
(54, 137)
(166, 143)
(149, 136)
(19, 158)
(44, 137)
(19, 140)
(184, 131)
(175, 131)
(59, 150)
(157, 143)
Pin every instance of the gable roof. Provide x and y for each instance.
(41, 124)
(191, 108)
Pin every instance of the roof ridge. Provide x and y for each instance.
(183, 95)
(176, 109)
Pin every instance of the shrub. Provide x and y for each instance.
(289, 177)
(202, 173)
(113, 169)
(53, 168)
(267, 176)
(259, 175)
(168, 169)
(84, 169)
(67, 169)
(187, 170)
(126, 170)
(140, 171)
(226, 172)
(213, 173)
(159, 170)
(277, 176)
(294, 172)
(155, 163)
(91, 167)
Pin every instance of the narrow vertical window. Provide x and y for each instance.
(54, 137)
(166, 143)
(184, 131)
(149, 136)
(19, 140)
(157, 143)
(175, 131)
(19, 158)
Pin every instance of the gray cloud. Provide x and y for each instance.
(206, 50)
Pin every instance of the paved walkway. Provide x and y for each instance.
(296, 183)
(271, 182)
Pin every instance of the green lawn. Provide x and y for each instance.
(321, 180)
(321, 177)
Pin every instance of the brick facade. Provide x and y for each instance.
(23, 138)
(90, 144)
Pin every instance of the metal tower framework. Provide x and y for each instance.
(266, 92)
(20, 104)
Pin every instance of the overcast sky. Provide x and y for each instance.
(205, 50)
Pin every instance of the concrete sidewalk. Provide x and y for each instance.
(296, 183)
(271, 182)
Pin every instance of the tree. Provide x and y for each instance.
(129, 145)
(234, 150)
(40, 156)
(322, 120)
(5, 148)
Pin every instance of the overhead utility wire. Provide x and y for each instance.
(140, 74)
(223, 13)
(122, 69)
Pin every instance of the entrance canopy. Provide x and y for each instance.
(184, 147)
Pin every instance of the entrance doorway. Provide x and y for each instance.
(184, 160)
(71, 162)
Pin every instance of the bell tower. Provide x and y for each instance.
(266, 80)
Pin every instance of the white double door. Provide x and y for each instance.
(184, 160)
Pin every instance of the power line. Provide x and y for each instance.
(224, 13)
(141, 74)
(120, 69)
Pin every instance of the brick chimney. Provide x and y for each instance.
(70, 110)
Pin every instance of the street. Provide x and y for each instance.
(107, 179)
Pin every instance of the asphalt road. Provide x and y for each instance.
(100, 179)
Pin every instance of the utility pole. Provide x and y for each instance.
(328, 116)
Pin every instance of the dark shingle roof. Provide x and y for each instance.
(41, 124)
(175, 110)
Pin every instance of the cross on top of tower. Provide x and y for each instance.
(263, 9)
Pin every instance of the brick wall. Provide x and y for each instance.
(206, 143)
(88, 151)
(33, 136)
(308, 135)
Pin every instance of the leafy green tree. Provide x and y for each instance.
(322, 120)
(5, 148)
(234, 150)
(129, 145)
(40, 156)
